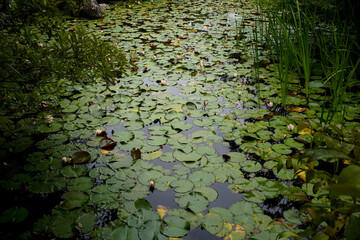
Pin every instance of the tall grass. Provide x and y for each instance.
(303, 44)
(339, 68)
(279, 41)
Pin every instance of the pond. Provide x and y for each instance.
(187, 145)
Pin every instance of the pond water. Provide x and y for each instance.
(208, 142)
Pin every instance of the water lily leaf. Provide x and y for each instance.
(181, 125)
(134, 125)
(196, 202)
(86, 222)
(207, 192)
(213, 223)
(189, 106)
(234, 231)
(201, 178)
(174, 226)
(167, 157)
(54, 127)
(124, 233)
(74, 171)
(205, 150)
(152, 155)
(14, 215)
(243, 207)
(251, 166)
(148, 175)
(81, 157)
(254, 196)
(62, 227)
(73, 200)
(186, 157)
(123, 136)
(157, 140)
(237, 157)
(292, 143)
(281, 148)
(80, 184)
(138, 192)
(225, 214)
(182, 185)
(71, 108)
(151, 230)
(47, 182)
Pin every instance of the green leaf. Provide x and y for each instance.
(194, 201)
(157, 140)
(73, 200)
(54, 127)
(323, 154)
(182, 185)
(14, 215)
(352, 228)
(213, 223)
(80, 184)
(174, 226)
(86, 222)
(281, 148)
(62, 227)
(81, 157)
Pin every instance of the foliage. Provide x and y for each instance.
(33, 64)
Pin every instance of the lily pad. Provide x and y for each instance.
(174, 226)
(213, 223)
(14, 215)
(182, 185)
(81, 157)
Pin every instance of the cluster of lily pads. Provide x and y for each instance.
(167, 124)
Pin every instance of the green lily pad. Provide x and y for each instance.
(196, 202)
(281, 148)
(86, 222)
(213, 223)
(81, 157)
(14, 215)
(174, 226)
(54, 127)
(73, 200)
(182, 185)
(157, 140)
(80, 184)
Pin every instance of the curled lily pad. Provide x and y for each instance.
(189, 106)
(81, 157)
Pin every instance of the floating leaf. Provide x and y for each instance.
(196, 202)
(81, 157)
(213, 223)
(182, 185)
(54, 127)
(152, 155)
(14, 215)
(86, 222)
(157, 140)
(80, 184)
(174, 226)
(73, 200)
